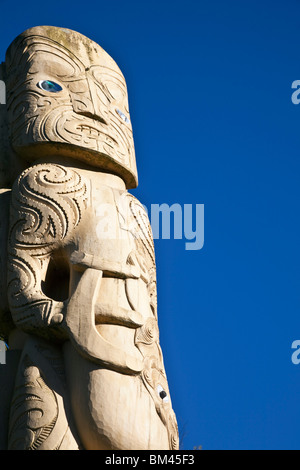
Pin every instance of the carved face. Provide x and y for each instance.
(69, 100)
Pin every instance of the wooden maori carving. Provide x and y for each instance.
(78, 275)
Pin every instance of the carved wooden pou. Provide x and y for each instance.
(78, 276)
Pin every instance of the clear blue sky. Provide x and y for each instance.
(210, 98)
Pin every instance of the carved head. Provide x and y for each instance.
(67, 97)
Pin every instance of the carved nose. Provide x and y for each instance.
(89, 103)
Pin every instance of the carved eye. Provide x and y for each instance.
(123, 116)
(48, 85)
(162, 393)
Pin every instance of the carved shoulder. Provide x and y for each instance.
(48, 201)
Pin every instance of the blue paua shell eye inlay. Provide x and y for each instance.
(48, 85)
(123, 116)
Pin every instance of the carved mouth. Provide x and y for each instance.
(94, 133)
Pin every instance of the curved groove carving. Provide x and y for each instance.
(38, 418)
(48, 201)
